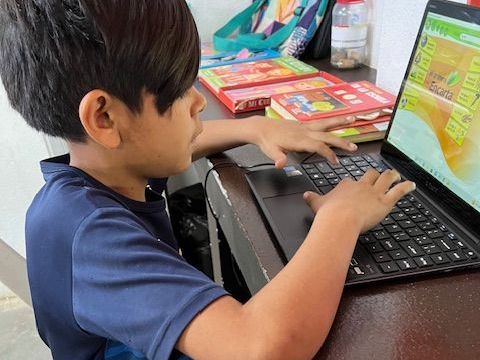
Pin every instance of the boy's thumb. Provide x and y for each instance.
(313, 200)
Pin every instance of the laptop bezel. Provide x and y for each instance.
(440, 194)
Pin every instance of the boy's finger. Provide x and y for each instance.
(386, 180)
(277, 155)
(334, 141)
(329, 123)
(370, 177)
(399, 191)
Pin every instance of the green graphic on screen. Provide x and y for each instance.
(437, 120)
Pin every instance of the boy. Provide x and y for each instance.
(114, 78)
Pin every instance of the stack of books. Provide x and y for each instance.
(290, 89)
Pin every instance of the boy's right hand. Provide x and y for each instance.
(367, 200)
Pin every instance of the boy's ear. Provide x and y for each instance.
(99, 114)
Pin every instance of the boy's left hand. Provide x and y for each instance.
(278, 137)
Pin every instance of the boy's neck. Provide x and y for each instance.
(108, 170)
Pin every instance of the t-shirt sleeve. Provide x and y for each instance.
(131, 287)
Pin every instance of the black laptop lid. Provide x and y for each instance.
(434, 136)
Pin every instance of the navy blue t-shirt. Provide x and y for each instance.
(104, 270)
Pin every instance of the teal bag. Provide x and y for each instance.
(286, 25)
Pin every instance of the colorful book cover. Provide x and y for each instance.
(354, 132)
(235, 57)
(255, 73)
(257, 97)
(361, 98)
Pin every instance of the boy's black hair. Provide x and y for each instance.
(52, 53)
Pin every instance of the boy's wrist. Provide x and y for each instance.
(253, 127)
(340, 215)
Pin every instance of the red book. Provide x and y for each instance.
(258, 97)
(255, 73)
(361, 99)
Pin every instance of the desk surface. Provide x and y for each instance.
(435, 317)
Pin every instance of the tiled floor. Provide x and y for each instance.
(18, 336)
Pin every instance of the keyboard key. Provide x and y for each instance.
(415, 232)
(368, 158)
(362, 163)
(401, 236)
(356, 158)
(427, 225)
(403, 203)
(344, 176)
(440, 259)
(445, 244)
(321, 182)
(398, 254)
(325, 189)
(374, 247)
(422, 240)
(316, 176)
(418, 218)
(406, 224)
(346, 161)
(365, 168)
(389, 245)
(308, 166)
(431, 249)
(357, 173)
(366, 239)
(443, 228)
(459, 243)
(330, 175)
(423, 261)
(395, 210)
(433, 234)
(379, 235)
(336, 166)
(393, 228)
(451, 236)
(381, 257)
(410, 210)
(470, 254)
(389, 267)
(334, 181)
(312, 171)
(387, 221)
(406, 264)
(399, 216)
(340, 171)
(412, 249)
(351, 167)
(324, 167)
(457, 256)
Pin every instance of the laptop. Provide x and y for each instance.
(433, 140)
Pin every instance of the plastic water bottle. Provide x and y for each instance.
(349, 33)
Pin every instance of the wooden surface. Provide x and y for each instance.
(427, 318)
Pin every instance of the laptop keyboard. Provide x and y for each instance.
(410, 238)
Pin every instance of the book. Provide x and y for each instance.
(258, 97)
(211, 58)
(353, 132)
(361, 99)
(255, 73)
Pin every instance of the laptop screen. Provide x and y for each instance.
(437, 119)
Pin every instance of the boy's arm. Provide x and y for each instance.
(291, 316)
(274, 137)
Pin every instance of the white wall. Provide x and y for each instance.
(210, 15)
(20, 150)
(398, 24)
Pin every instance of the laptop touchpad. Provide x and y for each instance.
(292, 217)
